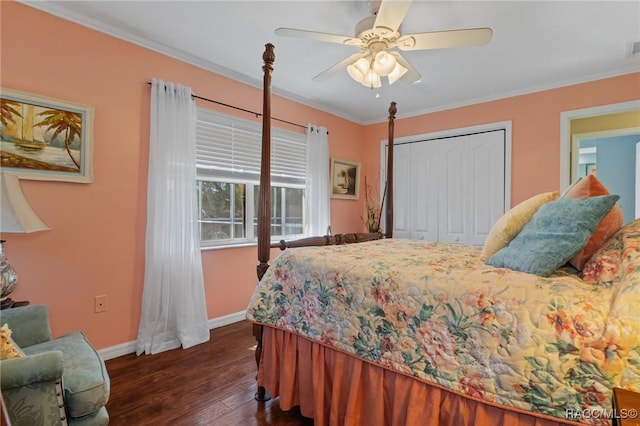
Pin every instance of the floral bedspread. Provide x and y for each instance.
(554, 345)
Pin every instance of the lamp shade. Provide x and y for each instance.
(397, 73)
(358, 69)
(16, 214)
(371, 79)
(355, 73)
(383, 63)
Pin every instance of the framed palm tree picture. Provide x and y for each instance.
(45, 139)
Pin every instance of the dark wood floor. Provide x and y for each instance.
(209, 384)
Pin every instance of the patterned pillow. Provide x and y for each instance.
(556, 232)
(8, 348)
(605, 266)
(590, 186)
(510, 224)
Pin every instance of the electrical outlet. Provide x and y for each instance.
(100, 303)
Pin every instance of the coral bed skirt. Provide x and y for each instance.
(335, 388)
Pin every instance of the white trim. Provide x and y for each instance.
(565, 132)
(498, 125)
(130, 347)
(227, 319)
(117, 350)
(591, 150)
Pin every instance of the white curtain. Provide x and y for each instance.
(173, 304)
(317, 208)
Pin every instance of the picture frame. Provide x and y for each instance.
(345, 179)
(42, 138)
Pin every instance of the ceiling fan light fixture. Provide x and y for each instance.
(359, 69)
(383, 63)
(396, 74)
(379, 35)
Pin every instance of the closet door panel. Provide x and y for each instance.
(453, 178)
(486, 186)
(424, 191)
(402, 191)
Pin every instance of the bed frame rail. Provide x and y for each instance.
(328, 240)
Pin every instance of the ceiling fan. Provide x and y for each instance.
(380, 32)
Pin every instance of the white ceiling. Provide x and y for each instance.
(536, 45)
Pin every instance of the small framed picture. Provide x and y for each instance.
(45, 139)
(345, 179)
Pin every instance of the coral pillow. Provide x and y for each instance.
(8, 348)
(510, 224)
(587, 187)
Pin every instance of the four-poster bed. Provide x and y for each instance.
(264, 206)
(400, 332)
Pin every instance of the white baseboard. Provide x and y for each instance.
(118, 350)
(227, 319)
(130, 347)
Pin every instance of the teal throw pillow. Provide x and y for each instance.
(556, 232)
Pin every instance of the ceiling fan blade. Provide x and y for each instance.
(339, 66)
(445, 39)
(411, 75)
(391, 13)
(313, 35)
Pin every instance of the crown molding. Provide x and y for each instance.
(60, 11)
(514, 93)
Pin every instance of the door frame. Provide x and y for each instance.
(566, 147)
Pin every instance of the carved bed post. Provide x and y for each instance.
(264, 204)
(389, 210)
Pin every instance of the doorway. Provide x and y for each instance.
(591, 129)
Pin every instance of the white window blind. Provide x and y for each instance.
(229, 148)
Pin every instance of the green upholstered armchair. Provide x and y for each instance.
(58, 382)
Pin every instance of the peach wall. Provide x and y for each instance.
(535, 127)
(96, 245)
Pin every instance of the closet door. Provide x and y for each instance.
(449, 189)
(471, 191)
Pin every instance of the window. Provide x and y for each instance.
(228, 164)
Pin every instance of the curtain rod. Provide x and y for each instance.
(257, 114)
